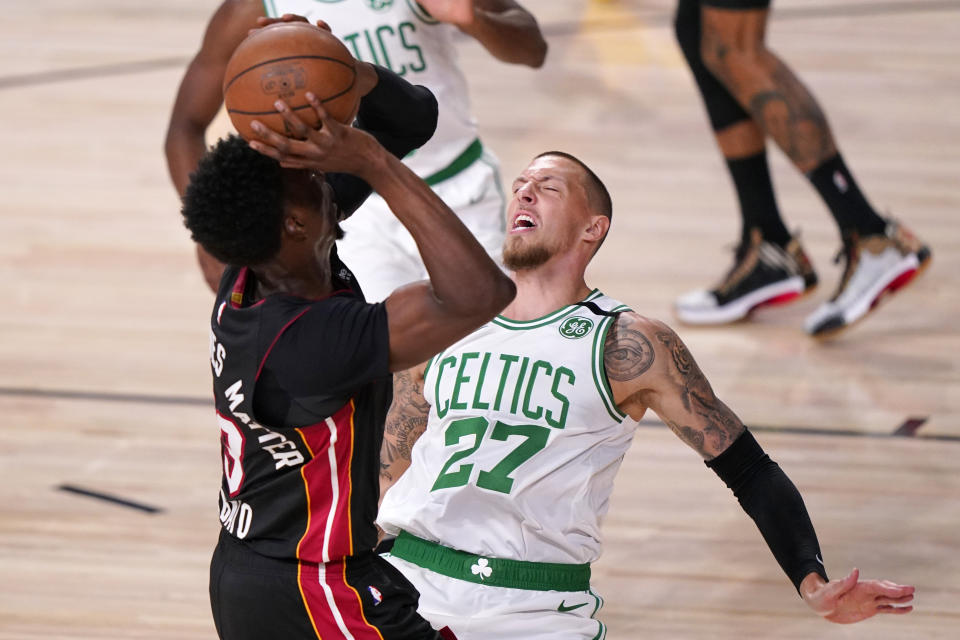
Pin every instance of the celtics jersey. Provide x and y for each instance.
(402, 36)
(522, 442)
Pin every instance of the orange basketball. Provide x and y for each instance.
(285, 60)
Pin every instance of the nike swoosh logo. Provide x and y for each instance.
(563, 608)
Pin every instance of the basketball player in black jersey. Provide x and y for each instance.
(302, 365)
(751, 94)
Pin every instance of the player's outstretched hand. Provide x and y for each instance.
(333, 147)
(851, 600)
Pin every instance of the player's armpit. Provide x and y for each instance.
(406, 421)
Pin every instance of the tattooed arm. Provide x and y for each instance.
(648, 366)
(406, 421)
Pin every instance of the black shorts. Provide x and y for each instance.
(736, 4)
(254, 597)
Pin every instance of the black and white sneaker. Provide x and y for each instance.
(763, 274)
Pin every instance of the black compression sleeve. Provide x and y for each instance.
(771, 499)
(401, 116)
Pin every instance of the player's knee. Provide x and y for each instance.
(720, 52)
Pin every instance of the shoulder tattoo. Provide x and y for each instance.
(627, 353)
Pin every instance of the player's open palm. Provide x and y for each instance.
(851, 600)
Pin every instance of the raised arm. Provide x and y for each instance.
(649, 366)
(406, 422)
(199, 99)
(200, 96)
(508, 31)
(466, 288)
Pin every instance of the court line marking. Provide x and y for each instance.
(556, 29)
(69, 488)
(903, 431)
(66, 394)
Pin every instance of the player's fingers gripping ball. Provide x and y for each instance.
(284, 61)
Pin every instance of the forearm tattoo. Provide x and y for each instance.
(406, 421)
(720, 426)
(627, 353)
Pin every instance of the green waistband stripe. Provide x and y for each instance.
(470, 155)
(495, 572)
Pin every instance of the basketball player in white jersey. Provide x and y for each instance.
(415, 39)
(524, 424)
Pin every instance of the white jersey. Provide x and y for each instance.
(401, 36)
(522, 442)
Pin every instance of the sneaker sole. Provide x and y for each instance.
(897, 279)
(777, 293)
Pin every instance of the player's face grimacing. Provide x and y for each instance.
(545, 213)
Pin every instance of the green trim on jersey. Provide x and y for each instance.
(489, 161)
(522, 325)
(600, 371)
(599, 602)
(429, 363)
(470, 155)
(601, 633)
(493, 572)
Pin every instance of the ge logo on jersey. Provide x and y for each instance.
(576, 327)
(380, 5)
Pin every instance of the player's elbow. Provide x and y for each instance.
(429, 110)
(538, 54)
(500, 292)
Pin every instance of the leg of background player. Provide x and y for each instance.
(769, 266)
(734, 50)
(880, 256)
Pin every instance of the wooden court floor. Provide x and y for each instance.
(104, 386)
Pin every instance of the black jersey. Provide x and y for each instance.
(302, 388)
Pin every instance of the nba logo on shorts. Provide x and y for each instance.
(377, 596)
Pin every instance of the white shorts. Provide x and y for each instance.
(480, 612)
(382, 253)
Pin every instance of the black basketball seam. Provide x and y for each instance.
(260, 64)
(353, 81)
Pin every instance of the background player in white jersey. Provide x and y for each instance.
(416, 41)
(525, 422)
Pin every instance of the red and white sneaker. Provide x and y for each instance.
(876, 266)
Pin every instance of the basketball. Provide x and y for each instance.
(284, 61)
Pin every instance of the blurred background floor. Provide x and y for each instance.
(103, 331)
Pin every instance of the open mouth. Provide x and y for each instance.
(523, 221)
